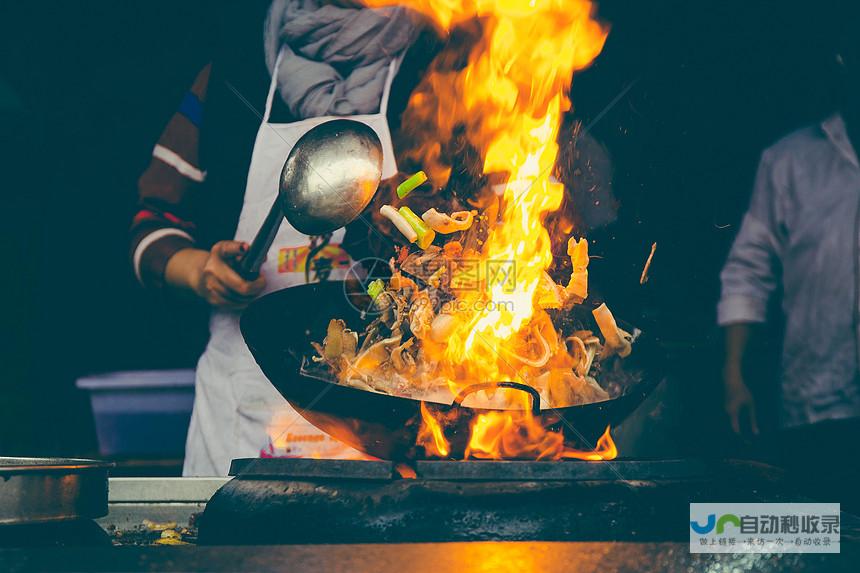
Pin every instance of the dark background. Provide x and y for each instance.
(86, 87)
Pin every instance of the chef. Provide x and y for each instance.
(322, 60)
(801, 234)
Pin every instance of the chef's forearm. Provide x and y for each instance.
(182, 271)
(151, 251)
(736, 343)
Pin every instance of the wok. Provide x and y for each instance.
(278, 329)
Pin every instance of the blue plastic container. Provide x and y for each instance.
(141, 413)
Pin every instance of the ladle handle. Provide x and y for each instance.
(249, 266)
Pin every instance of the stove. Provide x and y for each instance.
(274, 501)
(312, 515)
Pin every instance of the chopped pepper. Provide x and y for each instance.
(375, 288)
(425, 233)
(411, 184)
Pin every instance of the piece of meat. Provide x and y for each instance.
(421, 315)
(339, 341)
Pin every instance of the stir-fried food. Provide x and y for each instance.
(403, 350)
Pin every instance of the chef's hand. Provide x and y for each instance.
(739, 402)
(211, 275)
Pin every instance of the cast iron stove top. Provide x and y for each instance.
(280, 500)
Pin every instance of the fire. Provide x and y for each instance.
(509, 103)
(605, 450)
(431, 435)
(500, 435)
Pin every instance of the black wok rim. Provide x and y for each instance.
(651, 375)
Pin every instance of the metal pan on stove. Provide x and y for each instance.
(39, 490)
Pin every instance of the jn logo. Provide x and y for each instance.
(712, 521)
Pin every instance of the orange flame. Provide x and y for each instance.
(604, 450)
(501, 435)
(509, 102)
(405, 471)
(431, 436)
(508, 434)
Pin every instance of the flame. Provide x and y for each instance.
(499, 435)
(502, 435)
(510, 96)
(431, 436)
(603, 451)
(405, 471)
(508, 102)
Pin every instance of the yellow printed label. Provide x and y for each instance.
(294, 259)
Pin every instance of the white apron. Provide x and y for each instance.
(237, 412)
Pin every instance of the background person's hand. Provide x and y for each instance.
(211, 275)
(739, 403)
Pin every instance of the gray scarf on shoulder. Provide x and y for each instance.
(335, 58)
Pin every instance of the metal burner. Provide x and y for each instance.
(291, 468)
(615, 470)
(331, 501)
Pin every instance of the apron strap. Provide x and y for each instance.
(386, 91)
(273, 87)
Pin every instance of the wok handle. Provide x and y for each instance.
(458, 401)
(249, 266)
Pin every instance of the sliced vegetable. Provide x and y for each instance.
(400, 222)
(425, 233)
(577, 288)
(375, 288)
(443, 223)
(617, 340)
(411, 184)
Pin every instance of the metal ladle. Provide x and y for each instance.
(328, 179)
